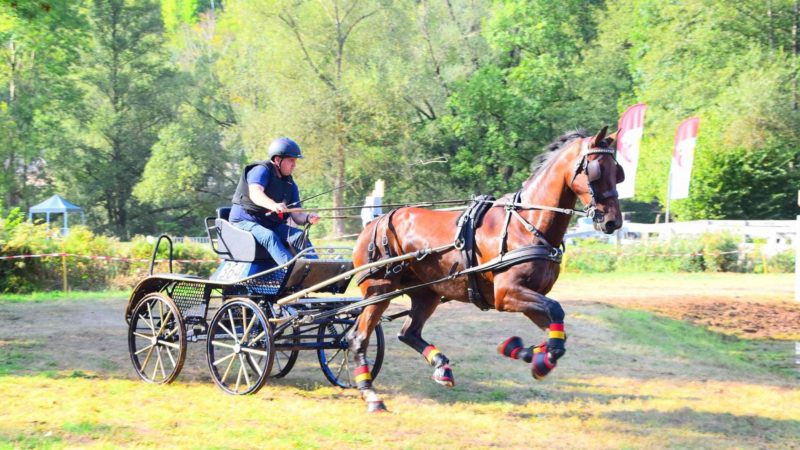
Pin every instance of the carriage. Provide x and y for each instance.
(251, 334)
(499, 254)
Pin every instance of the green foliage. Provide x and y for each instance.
(146, 110)
(709, 252)
(84, 273)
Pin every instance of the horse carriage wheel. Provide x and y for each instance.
(157, 339)
(240, 347)
(337, 363)
(285, 359)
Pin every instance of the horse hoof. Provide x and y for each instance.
(510, 347)
(444, 376)
(541, 365)
(376, 407)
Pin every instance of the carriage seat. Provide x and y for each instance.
(234, 244)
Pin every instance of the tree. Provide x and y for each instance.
(38, 40)
(127, 99)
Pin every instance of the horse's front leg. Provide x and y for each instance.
(422, 307)
(358, 340)
(544, 312)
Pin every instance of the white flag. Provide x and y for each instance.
(680, 173)
(629, 135)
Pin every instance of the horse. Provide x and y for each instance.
(576, 165)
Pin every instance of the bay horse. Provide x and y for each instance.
(575, 166)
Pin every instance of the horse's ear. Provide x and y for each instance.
(610, 140)
(598, 138)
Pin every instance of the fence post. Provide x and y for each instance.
(64, 270)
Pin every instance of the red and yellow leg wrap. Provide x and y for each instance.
(556, 339)
(363, 377)
(430, 354)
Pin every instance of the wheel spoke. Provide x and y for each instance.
(253, 351)
(169, 344)
(238, 377)
(230, 333)
(244, 321)
(339, 372)
(164, 321)
(244, 370)
(169, 335)
(144, 349)
(150, 315)
(222, 344)
(228, 369)
(155, 365)
(223, 359)
(257, 338)
(256, 365)
(233, 324)
(249, 326)
(147, 358)
(171, 358)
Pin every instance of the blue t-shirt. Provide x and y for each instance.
(261, 176)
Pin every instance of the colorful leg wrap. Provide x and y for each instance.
(514, 349)
(443, 374)
(544, 361)
(363, 377)
(432, 355)
(541, 365)
(555, 343)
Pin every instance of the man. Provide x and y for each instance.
(263, 197)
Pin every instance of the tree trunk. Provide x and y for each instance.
(795, 14)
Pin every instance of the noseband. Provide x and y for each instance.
(593, 173)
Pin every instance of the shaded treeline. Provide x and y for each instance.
(143, 112)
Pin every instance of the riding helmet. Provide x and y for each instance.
(284, 146)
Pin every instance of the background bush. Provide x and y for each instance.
(711, 252)
(19, 237)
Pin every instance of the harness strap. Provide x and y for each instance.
(467, 225)
(514, 257)
(375, 255)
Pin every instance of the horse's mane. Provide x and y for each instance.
(542, 160)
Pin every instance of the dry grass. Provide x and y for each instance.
(618, 387)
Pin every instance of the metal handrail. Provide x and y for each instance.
(155, 252)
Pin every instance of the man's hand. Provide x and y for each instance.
(280, 208)
(312, 218)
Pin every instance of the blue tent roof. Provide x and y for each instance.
(54, 204)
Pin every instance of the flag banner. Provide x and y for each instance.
(680, 173)
(629, 135)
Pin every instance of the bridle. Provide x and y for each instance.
(593, 171)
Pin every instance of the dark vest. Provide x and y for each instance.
(279, 189)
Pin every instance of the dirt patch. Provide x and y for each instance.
(747, 319)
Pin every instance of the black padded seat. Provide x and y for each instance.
(235, 244)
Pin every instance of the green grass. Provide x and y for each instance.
(676, 338)
(50, 296)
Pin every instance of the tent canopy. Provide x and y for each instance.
(55, 204)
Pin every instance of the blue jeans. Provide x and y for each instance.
(273, 240)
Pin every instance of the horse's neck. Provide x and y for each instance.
(549, 188)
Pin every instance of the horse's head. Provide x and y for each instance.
(594, 180)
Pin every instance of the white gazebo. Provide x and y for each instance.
(56, 205)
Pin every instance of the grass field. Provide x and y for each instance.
(637, 375)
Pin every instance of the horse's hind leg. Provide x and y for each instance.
(358, 339)
(544, 312)
(422, 307)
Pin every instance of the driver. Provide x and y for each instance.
(262, 199)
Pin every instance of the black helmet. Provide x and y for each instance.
(284, 146)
